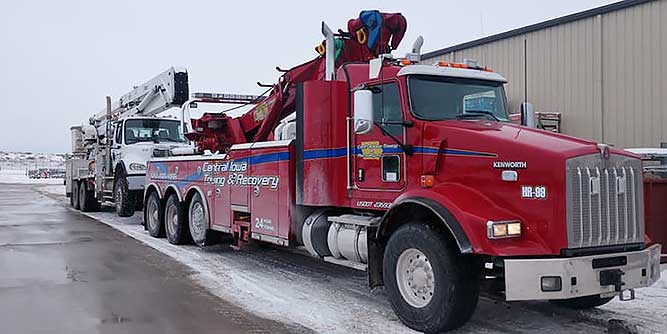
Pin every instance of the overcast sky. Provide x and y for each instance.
(61, 58)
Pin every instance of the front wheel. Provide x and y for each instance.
(123, 198)
(431, 286)
(582, 303)
(199, 220)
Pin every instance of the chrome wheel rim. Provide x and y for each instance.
(197, 220)
(153, 218)
(172, 219)
(414, 277)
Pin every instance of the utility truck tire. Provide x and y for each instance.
(176, 225)
(431, 286)
(87, 201)
(83, 198)
(75, 195)
(154, 216)
(582, 303)
(123, 198)
(198, 219)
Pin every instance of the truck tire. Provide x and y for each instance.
(83, 198)
(75, 195)
(123, 198)
(431, 286)
(154, 215)
(175, 221)
(87, 201)
(582, 303)
(198, 220)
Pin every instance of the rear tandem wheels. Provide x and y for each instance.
(431, 286)
(83, 197)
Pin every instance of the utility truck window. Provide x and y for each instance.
(153, 130)
(440, 98)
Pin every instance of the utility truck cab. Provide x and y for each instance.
(137, 140)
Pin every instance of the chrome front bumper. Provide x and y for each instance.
(581, 276)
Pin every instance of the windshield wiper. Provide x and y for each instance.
(478, 112)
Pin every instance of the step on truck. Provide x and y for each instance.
(110, 151)
(414, 173)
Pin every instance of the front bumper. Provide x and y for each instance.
(136, 181)
(580, 276)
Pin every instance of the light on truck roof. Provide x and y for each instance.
(472, 65)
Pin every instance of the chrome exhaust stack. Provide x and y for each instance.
(329, 56)
(415, 55)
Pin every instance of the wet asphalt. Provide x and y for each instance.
(62, 272)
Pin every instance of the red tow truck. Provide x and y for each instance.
(414, 173)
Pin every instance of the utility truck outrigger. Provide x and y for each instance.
(413, 173)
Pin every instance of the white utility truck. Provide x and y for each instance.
(110, 151)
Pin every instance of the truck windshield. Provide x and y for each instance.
(159, 130)
(441, 98)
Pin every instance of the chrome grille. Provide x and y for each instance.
(604, 201)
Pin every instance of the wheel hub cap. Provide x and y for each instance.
(414, 276)
(197, 219)
(152, 215)
(172, 219)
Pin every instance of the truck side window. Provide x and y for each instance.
(119, 138)
(391, 171)
(387, 108)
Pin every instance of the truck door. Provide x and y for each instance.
(379, 161)
(117, 143)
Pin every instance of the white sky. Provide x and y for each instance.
(61, 58)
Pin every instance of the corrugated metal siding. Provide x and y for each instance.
(605, 74)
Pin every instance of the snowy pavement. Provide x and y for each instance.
(291, 287)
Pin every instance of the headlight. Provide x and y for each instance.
(135, 166)
(503, 229)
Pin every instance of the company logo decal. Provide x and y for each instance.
(371, 150)
(233, 174)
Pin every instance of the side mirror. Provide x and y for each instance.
(363, 111)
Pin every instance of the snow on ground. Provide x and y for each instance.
(19, 176)
(649, 309)
(290, 287)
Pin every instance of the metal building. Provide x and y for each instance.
(603, 69)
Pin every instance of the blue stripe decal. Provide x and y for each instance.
(262, 158)
(341, 152)
(196, 176)
(449, 151)
(324, 153)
